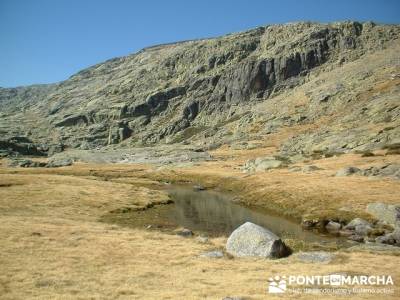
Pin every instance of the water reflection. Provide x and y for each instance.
(213, 212)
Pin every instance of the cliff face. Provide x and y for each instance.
(339, 80)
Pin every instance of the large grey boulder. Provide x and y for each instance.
(253, 240)
(388, 213)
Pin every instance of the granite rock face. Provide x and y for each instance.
(20, 145)
(216, 91)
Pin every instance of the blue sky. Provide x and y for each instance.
(47, 41)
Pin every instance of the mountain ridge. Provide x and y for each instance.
(193, 91)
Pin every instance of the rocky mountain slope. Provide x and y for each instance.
(337, 84)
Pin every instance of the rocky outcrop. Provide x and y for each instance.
(57, 162)
(388, 170)
(73, 121)
(52, 163)
(217, 91)
(26, 163)
(20, 146)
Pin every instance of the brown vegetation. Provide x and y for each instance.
(54, 247)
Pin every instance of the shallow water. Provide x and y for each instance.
(214, 214)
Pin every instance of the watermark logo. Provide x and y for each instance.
(333, 283)
(335, 279)
(277, 285)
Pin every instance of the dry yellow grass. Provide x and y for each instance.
(84, 260)
(54, 247)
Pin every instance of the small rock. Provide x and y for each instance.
(295, 169)
(267, 163)
(308, 223)
(262, 164)
(363, 229)
(356, 222)
(347, 171)
(185, 232)
(385, 239)
(198, 187)
(333, 226)
(297, 158)
(315, 257)
(36, 234)
(311, 222)
(202, 239)
(310, 168)
(213, 254)
(392, 238)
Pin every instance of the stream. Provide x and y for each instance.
(214, 214)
